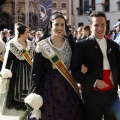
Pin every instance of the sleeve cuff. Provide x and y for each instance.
(95, 84)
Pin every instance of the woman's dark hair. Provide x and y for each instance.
(87, 28)
(49, 24)
(55, 16)
(96, 14)
(21, 29)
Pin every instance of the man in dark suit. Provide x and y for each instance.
(100, 83)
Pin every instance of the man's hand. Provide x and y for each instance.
(84, 69)
(100, 84)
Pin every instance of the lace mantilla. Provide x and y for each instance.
(17, 53)
(65, 52)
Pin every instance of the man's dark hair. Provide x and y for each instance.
(96, 14)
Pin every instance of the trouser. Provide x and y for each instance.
(99, 104)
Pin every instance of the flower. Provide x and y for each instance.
(33, 103)
(5, 74)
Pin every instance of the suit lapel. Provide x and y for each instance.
(109, 47)
(95, 44)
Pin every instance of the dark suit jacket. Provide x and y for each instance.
(88, 52)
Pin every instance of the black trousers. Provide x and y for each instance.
(101, 104)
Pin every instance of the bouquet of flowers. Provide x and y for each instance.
(5, 74)
(33, 103)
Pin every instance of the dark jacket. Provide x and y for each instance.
(88, 52)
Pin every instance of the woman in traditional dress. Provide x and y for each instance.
(19, 53)
(60, 100)
(2, 51)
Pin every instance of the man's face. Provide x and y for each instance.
(98, 27)
(117, 29)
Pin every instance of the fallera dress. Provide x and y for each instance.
(12, 102)
(60, 101)
(2, 52)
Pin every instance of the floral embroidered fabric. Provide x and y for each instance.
(64, 52)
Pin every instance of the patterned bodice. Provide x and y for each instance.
(17, 53)
(64, 52)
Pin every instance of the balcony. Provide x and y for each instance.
(92, 7)
(105, 4)
(80, 10)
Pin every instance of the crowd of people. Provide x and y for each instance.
(52, 64)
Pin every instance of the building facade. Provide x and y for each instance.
(66, 8)
(15, 10)
(84, 7)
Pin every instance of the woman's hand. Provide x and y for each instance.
(84, 69)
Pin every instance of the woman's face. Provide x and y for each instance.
(58, 27)
(85, 33)
(26, 34)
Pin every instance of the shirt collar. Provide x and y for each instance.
(100, 41)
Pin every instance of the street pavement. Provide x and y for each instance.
(8, 117)
(2, 117)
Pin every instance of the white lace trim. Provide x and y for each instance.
(17, 53)
(2, 48)
(65, 52)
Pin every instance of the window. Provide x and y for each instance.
(108, 24)
(80, 10)
(63, 5)
(80, 24)
(92, 5)
(106, 5)
(86, 6)
(118, 5)
(106, 8)
(93, 2)
(54, 5)
(80, 2)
